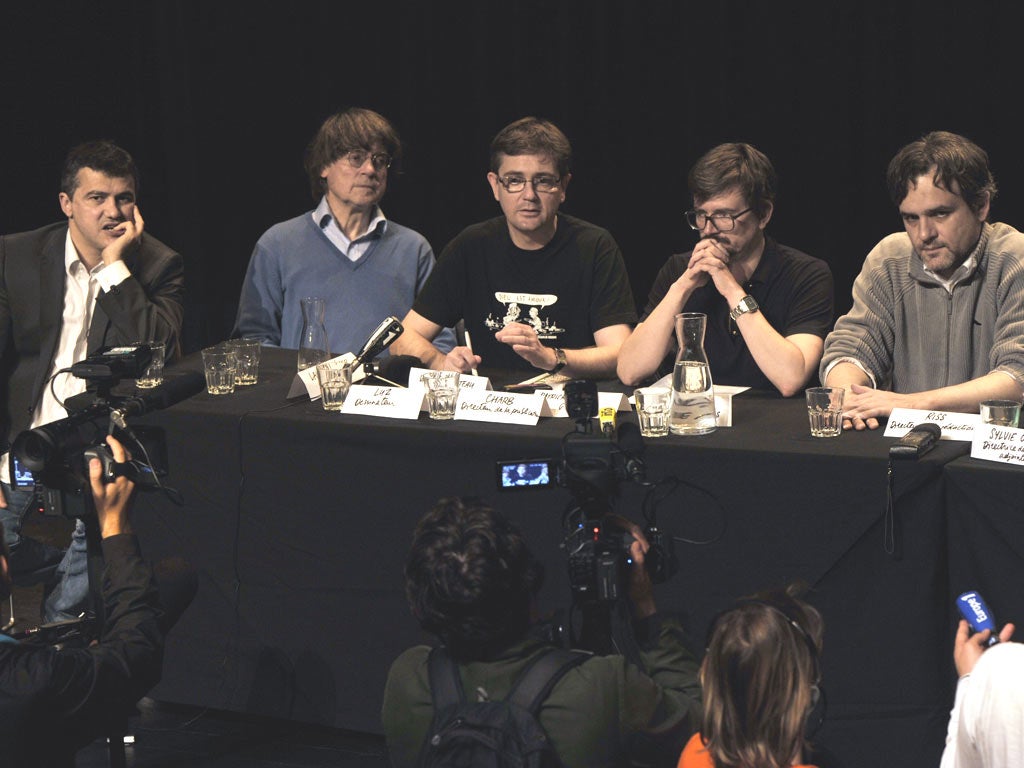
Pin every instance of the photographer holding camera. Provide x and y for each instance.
(472, 582)
(55, 700)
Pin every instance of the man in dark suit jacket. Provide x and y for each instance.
(67, 290)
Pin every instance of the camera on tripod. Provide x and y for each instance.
(593, 468)
(56, 456)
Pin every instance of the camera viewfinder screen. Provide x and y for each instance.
(20, 477)
(525, 473)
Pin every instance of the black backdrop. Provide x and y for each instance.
(218, 100)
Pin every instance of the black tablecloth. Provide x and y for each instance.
(985, 504)
(299, 522)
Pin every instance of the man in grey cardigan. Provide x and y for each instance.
(937, 321)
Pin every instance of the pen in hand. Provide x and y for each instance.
(469, 346)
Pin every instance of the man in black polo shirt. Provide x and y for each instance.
(769, 306)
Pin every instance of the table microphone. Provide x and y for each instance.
(383, 336)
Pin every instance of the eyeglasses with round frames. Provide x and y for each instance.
(514, 184)
(723, 222)
(358, 157)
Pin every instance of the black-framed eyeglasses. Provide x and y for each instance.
(542, 183)
(358, 157)
(723, 222)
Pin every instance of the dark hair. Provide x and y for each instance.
(954, 160)
(532, 136)
(735, 166)
(103, 156)
(470, 577)
(353, 128)
(759, 671)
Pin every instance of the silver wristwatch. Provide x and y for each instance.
(560, 361)
(747, 304)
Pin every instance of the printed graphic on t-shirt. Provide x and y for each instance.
(526, 308)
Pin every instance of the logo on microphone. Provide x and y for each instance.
(976, 606)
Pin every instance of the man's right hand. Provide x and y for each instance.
(461, 359)
(967, 648)
(113, 499)
(641, 589)
(3, 500)
(130, 232)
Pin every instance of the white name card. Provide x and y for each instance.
(997, 443)
(615, 400)
(955, 426)
(389, 402)
(466, 380)
(553, 403)
(723, 408)
(500, 407)
(723, 398)
(306, 380)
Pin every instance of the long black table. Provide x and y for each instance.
(299, 521)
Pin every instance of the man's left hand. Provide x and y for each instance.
(525, 343)
(112, 499)
(131, 232)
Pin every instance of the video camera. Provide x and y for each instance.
(56, 456)
(593, 467)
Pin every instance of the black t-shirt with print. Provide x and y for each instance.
(567, 290)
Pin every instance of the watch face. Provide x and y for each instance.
(747, 304)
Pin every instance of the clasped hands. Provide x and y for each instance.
(710, 260)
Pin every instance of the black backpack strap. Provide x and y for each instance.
(445, 682)
(534, 683)
(445, 691)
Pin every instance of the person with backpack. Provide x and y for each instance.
(496, 693)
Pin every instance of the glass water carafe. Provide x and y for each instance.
(313, 347)
(693, 395)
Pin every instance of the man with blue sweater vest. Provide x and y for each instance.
(364, 266)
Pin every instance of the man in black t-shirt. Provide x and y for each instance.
(769, 306)
(536, 290)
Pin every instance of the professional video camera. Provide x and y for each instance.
(593, 467)
(56, 456)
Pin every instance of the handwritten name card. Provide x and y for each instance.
(553, 403)
(389, 402)
(955, 426)
(500, 407)
(996, 443)
(306, 380)
(466, 380)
